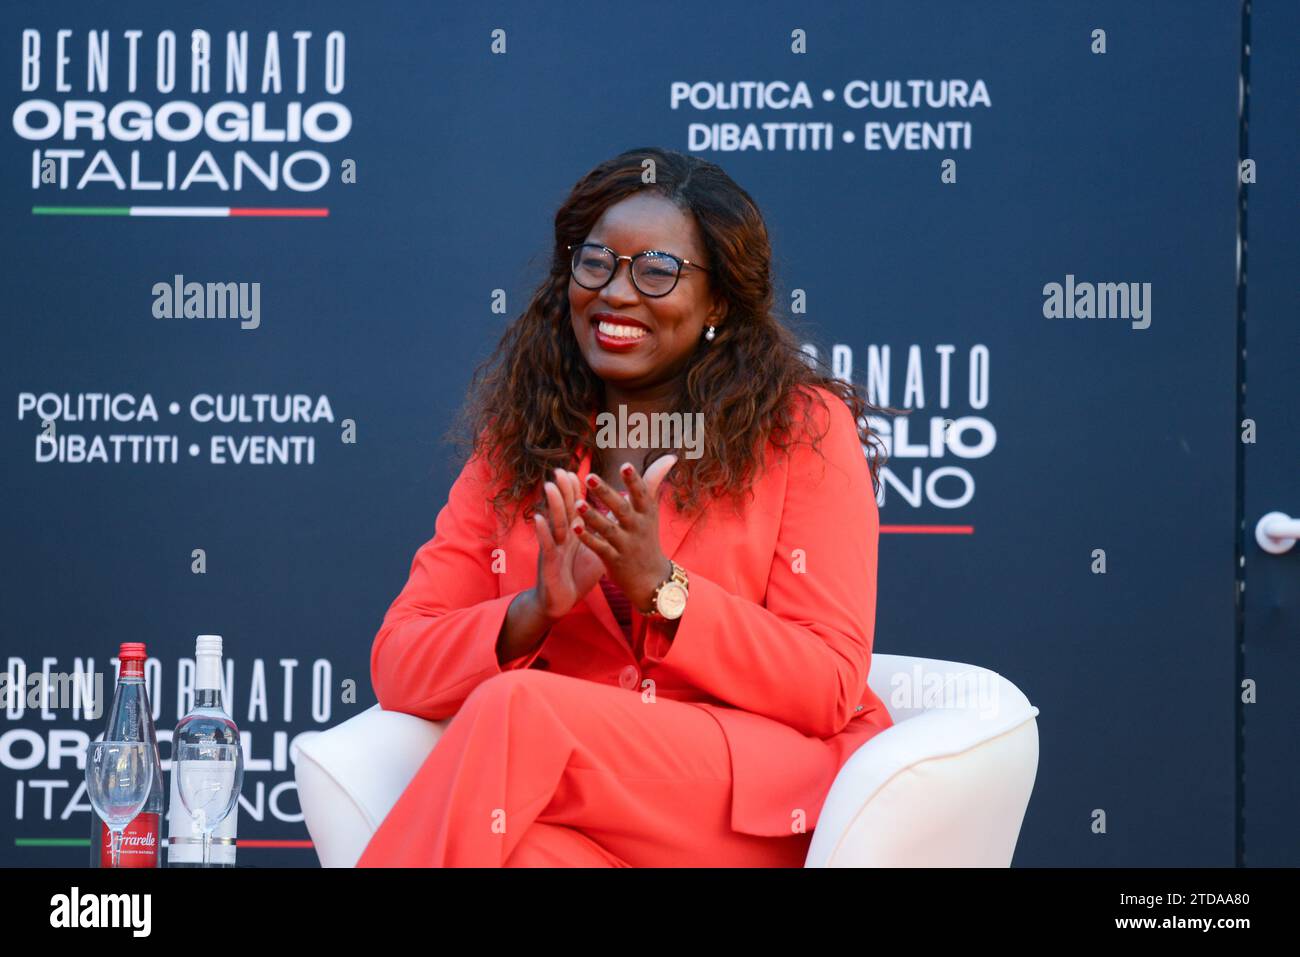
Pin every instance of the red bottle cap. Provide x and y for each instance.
(131, 658)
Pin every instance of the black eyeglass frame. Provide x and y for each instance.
(573, 270)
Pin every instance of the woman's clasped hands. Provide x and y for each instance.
(577, 544)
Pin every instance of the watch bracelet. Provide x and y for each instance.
(678, 575)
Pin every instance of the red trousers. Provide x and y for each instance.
(540, 769)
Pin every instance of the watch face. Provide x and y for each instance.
(672, 600)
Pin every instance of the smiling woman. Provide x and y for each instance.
(695, 708)
(651, 349)
(711, 344)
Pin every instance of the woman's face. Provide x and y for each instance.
(670, 326)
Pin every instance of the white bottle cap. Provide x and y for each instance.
(207, 645)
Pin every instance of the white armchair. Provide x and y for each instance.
(946, 786)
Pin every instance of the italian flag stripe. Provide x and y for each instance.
(270, 212)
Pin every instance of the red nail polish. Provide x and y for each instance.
(581, 507)
(592, 481)
(627, 468)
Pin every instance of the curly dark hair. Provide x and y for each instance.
(531, 402)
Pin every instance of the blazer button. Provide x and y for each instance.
(629, 677)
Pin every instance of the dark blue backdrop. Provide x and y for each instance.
(1114, 167)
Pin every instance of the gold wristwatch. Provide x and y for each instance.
(669, 599)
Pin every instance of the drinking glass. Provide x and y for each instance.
(118, 777)
(208, 778)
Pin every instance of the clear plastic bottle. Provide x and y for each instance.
(131, 719)
(206, 723)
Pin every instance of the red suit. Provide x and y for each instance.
(715, 746)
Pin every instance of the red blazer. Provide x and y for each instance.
(775, 641)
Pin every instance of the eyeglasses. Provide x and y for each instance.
(654, 272)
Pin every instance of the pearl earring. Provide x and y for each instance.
(708, 336)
